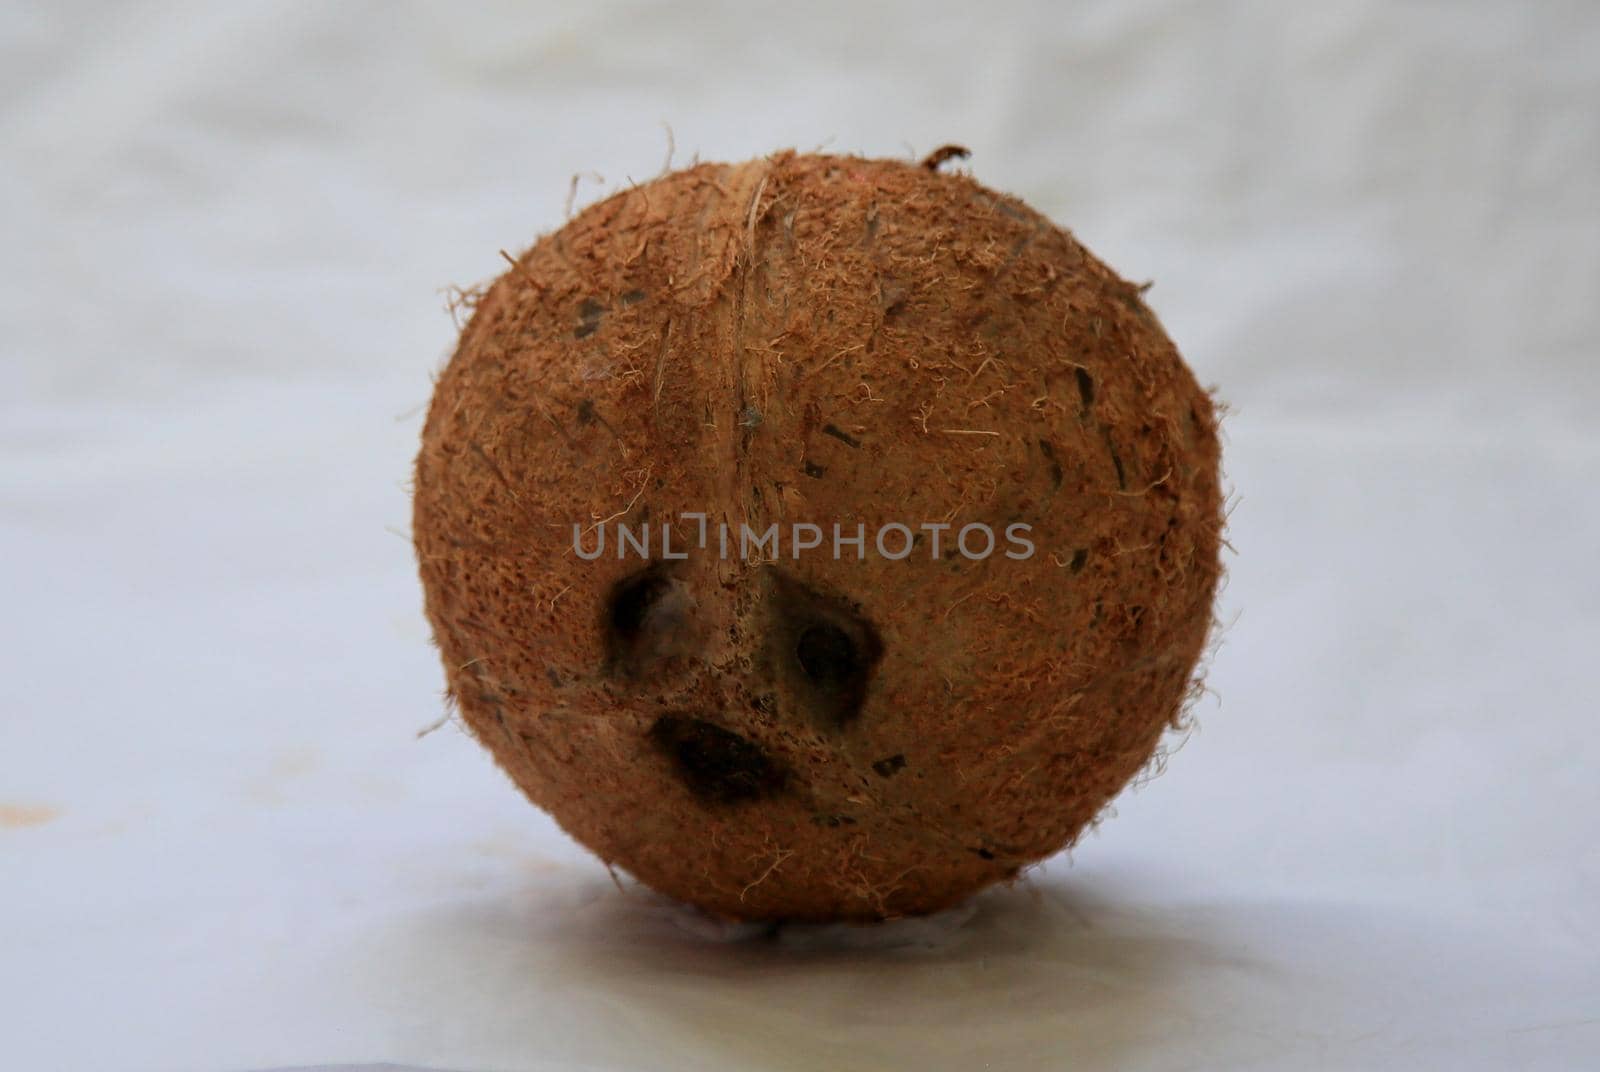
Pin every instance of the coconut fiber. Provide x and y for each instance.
(818, 340)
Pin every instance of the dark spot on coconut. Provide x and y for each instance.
(824, 648)
(892, 295)
(1049, 453)
(841, 435)
(888, 768)
(1085, 387)
(589, 313)
(833, 820)
(827, 655)
(716, 764)
(586, 414)
(1116, 460)
(555, 678)
(631, 599)
(643, 613)
(984, 854)
(812, 469)
(633, 297)
(1079, 558)
(766, 703)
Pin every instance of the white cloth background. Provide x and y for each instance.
(1375, 226)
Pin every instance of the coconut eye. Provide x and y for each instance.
(824, 648)
(631, 601)
(717, 764)
(827, 655)
(645, 617)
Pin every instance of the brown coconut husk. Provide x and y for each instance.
(818, 339)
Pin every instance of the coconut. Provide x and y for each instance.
(748, 714)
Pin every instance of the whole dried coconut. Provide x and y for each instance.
(838, 732)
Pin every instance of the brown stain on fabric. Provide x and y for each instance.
(21, 816)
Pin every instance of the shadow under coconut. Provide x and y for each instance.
(1020, 978)
(1023, 977)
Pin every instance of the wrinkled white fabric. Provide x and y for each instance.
(227, 234)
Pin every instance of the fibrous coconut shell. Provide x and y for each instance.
(818, 340)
